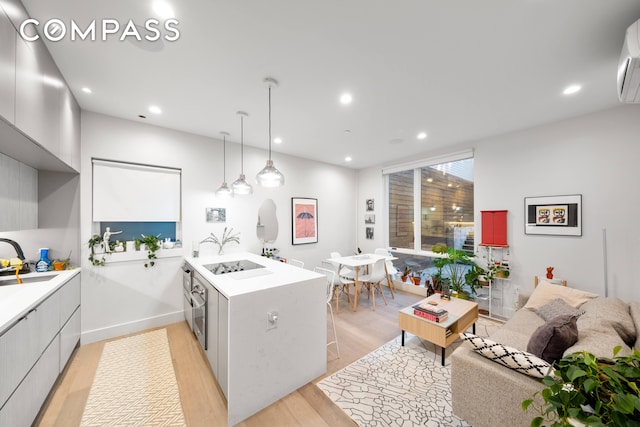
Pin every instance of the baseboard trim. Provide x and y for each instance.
(113, 331)
(411, 288)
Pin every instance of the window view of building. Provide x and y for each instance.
(443, 194)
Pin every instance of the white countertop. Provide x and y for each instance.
(274, 274)
(17, 300)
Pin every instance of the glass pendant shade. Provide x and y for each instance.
(269, 176)
(224, 192)
(240, 186)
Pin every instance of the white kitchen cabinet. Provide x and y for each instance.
(212, 327)
(24, 405)
(7, 68)
(69, 337)
(18, 195)
(217, 335)
(34, 350)
(223, 344)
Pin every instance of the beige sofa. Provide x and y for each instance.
(487, 394)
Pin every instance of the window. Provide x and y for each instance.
(439, 194)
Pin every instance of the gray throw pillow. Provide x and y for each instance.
(550, 340)
(555, 308)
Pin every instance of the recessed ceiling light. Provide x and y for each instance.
(277, 140)
(86, 90)
(422, 135)
(347, 159)
(571, 89)
(346, 98)
(163, 9)
(155, 109)
(429, 179)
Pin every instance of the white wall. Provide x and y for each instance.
(595, 155)
(126, 297)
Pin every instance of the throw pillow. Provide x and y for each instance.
(555, 308)
(546, 292)
(510, 357)
(550, 340)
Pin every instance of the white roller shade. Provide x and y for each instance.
(129, 192)
(452, 157)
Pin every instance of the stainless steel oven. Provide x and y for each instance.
(199, 298)
(186, 294)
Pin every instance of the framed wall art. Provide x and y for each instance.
(216, 214)
(553, 215)
(304, 220)
(371, 204)
(369, 233)
(369, 219)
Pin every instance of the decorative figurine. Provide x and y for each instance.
(549, 273)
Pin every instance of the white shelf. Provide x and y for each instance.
(140, 255)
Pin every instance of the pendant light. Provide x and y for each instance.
(240, 185)
(224, 192)
(270, 176)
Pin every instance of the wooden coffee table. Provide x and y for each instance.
(462, 315)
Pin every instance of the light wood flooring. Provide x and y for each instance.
(359, 333)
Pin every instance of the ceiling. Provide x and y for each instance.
(457, 70)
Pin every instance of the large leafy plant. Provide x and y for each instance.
(591, 390)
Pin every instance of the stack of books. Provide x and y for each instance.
(430, 312)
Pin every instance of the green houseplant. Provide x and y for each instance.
(95, 240)
(457, 265)
(439, 282)
(591, 390)
(152, 244)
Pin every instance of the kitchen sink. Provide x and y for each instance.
(42, 277)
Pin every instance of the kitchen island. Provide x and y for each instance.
(266, 329)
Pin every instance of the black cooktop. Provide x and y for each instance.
(232, 266)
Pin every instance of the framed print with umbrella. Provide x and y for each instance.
(304, 220)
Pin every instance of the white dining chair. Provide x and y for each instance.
(330, 275)
(340, 284)
(391, 269)
(295, 262)
(346, 272)
(372, 281)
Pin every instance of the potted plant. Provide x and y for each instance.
(591, 390)
(61, 264)
(406, 273)
(439, 282)
(476, 277)
(152, 244)
(457, 262)
(95, 241)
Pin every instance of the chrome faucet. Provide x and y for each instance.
(15, 245)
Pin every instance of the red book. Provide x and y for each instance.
(424, 315)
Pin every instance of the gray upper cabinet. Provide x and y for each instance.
(38, 88)
(7, 68)
(69, 129)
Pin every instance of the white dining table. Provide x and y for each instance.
(358, 261)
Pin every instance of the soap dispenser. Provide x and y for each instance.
(44, 262)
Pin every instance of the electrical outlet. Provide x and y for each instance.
(272, 320)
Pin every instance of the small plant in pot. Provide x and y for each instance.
(96, 241)
(152, 244)
(405, 274)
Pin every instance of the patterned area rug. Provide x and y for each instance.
(135, 384)
(399, 386)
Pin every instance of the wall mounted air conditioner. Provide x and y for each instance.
(629, 66)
